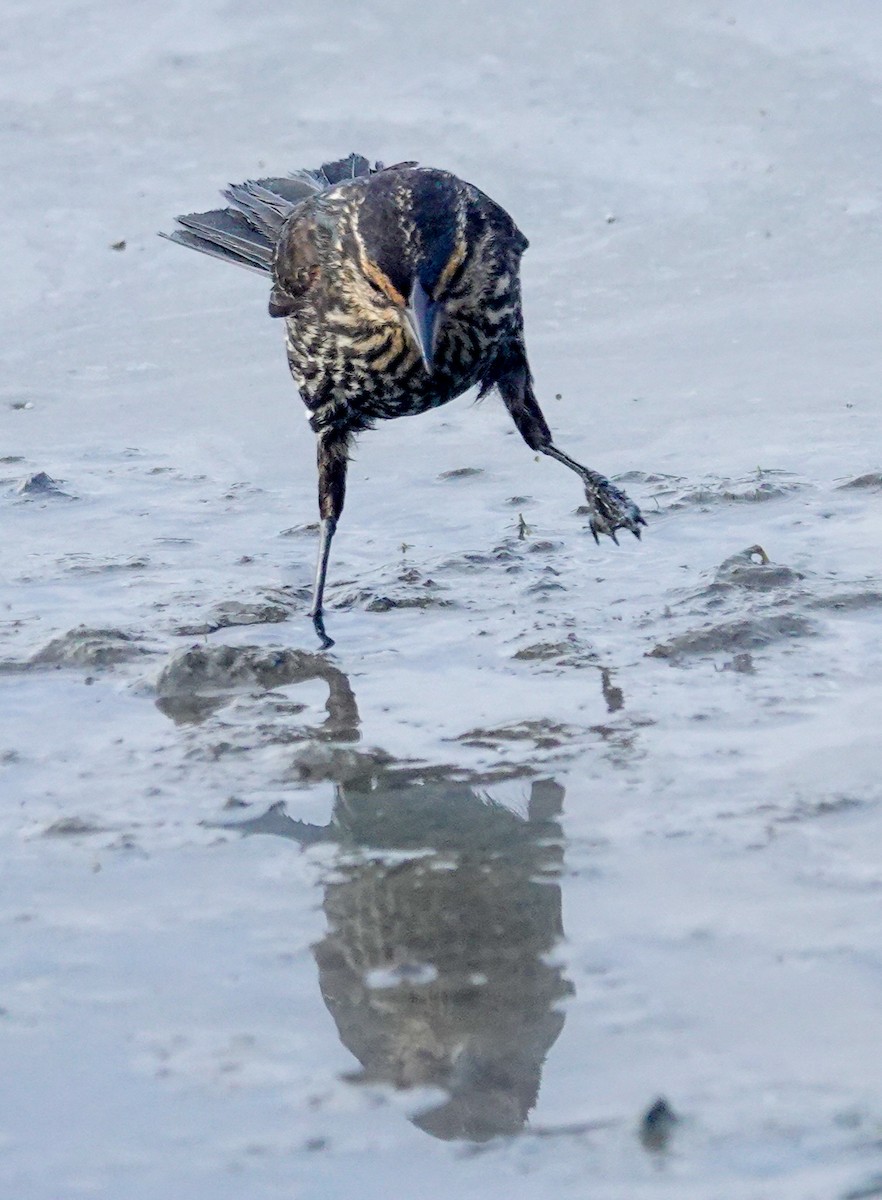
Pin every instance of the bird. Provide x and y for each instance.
(399, 288)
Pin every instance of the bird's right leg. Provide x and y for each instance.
(332, 453)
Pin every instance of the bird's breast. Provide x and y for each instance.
(362, 367)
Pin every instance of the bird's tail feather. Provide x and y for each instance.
(246, 234)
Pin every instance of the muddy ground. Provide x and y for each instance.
(559, 874)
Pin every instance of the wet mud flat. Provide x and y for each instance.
(536, 884)
(560, 874)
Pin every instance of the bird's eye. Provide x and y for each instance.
(380, 283)
(452, 270)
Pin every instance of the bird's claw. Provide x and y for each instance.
(611, 509)
(318, 623)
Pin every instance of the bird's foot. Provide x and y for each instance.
(318, 623)
(610, 508)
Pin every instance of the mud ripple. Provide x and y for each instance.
(849, 601)
(671, 492)
(87, 564)
(729, 636)
(543, 734)
(408, 588)
(749, 603)
(73, 827)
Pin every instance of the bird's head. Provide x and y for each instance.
(414, 240)
(406, 248)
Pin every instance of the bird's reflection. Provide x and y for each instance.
(437, 965)
(443, 913)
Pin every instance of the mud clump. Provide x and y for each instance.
(40, 486)
(73, 827)
(752, 602)
(381, 604)
(83, 647)
(570, 652)
(741, 664)
(749, 603)
(752, 568)
(310, 529)
(872, 480)
(198, 681)
(230, 613)
(657, 1125)
(233, 668)
(85, 564)
(470, 562)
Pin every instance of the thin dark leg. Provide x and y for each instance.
(610, 507)
(332, 454)
(328, 526)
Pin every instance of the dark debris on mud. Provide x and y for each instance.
(657, 1126)
(461, 473)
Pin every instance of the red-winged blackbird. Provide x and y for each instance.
(399, 288)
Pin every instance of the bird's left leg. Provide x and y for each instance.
(332, 454)
(610, 508)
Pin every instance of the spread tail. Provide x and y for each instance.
(246, 233)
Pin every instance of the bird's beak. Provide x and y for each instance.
(422, 317)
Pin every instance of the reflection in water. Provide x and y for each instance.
(443, 909)
(434, 966)
(199, 681)
(477, 1018)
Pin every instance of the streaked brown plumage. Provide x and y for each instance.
(399, 289)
